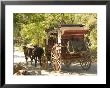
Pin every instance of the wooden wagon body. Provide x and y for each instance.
(67, 44)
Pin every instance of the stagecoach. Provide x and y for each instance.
(67, 44)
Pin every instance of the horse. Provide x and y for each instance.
(28, 53)
(37, 53)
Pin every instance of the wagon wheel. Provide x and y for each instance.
(85, 63)
(56, 57)
(67, 63)
(44, 62)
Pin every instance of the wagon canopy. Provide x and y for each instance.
(73, 31)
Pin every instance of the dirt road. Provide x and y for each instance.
(73, 69)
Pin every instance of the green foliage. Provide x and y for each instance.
(30, 27)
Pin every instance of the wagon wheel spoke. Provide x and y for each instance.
(52, 55)
(85, 63)
(55, 58)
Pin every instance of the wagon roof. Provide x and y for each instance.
(72, 25)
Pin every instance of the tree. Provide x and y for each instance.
(30, 27)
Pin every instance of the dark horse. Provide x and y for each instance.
(37, 53)
(28, 53)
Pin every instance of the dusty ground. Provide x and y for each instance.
(73, 69)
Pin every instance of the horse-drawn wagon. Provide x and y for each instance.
(67, 44)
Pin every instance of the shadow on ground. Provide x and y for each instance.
(73, 69)
(76, 68)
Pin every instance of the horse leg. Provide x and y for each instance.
(31, 61)
(35, 62)
(26, 60)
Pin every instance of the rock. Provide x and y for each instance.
(20, 72)
(44, 72)
(18, 67)
(29, 72)
(39, 72)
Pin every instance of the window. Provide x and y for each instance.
(76, 45)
